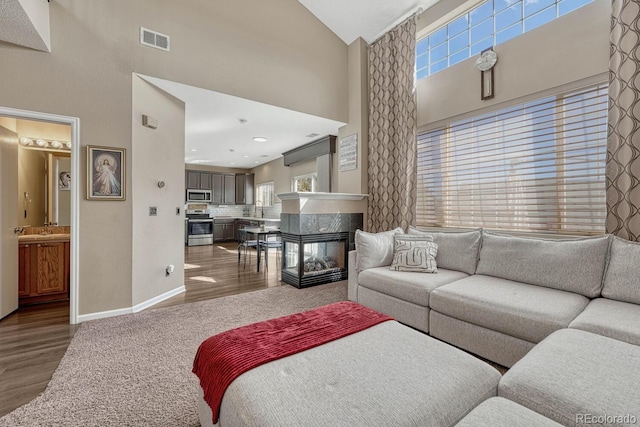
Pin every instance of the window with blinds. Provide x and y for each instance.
(536, 167)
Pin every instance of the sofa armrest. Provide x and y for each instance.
(352, 290)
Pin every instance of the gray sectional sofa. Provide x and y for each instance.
(563, 314)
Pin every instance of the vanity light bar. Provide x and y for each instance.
(45, 144)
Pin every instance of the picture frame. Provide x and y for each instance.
(106, 173)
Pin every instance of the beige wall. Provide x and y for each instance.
(573, 48)
(282, 175)
(158, 241)
(356, 181)
(273, 52)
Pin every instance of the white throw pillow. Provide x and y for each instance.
(375, 249)
(414, 253)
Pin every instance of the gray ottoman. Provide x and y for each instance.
(500, 412)
(388, 374)
(576, 378)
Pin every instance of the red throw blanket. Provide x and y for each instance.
(223, 357)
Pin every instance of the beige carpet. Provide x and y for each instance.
(135, 370)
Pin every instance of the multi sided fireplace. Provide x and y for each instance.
(314, 259)
(316, 239)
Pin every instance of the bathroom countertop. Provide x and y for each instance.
(44, 238)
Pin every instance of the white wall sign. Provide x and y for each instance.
(349, 152)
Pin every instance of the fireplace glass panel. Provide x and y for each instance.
(310, 260)
(318, 258)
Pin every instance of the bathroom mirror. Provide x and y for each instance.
(44, 182)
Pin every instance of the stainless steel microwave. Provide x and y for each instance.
(201, 196)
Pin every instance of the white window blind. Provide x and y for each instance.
(536, 167)
(265, 194)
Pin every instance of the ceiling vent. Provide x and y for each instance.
(154, 39)
(313, 135)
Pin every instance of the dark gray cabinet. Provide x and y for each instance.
(244, 189)
(218, 188)
(226, 189)
(197, 180)
(229, 197)
(224, 230)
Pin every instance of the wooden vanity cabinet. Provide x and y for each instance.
(43, 274)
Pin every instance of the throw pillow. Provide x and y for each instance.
(375, 249)
(414, 253)
(457, 250)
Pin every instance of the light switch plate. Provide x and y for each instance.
(153, 211)
(177, 211)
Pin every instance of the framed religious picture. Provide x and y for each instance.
(106, 173)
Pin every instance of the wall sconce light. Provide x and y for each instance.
(45, 144)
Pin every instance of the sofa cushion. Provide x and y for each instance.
(614, 319)
(574, 374)
(622, 279)
(570, 265)
(414, 253)
(518, 309)
(375, 249)
(456, 250)
(500, 412)
(407, 286)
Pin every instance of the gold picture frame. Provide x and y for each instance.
(106, 173)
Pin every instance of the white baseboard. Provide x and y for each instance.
(136, 308)
(155, 300)
(103, 314)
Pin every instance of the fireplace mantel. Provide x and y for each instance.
(317, 203)
(322, 196)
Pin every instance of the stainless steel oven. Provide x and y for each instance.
(199, 229)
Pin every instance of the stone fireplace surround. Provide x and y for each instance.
(319, 217)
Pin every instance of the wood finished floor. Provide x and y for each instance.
(34, 339)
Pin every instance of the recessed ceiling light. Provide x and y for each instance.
(232, 163)
(259, 139)
(246, 156)
(193, 150)
(256, 162)
(201, 161)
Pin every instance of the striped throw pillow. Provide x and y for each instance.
(414, 253)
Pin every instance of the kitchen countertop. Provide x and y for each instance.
(248, 218)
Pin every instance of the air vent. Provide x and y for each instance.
(154, 39)
(313, 135)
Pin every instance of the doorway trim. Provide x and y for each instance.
(74, 122)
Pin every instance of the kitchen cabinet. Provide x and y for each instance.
(224, 230)
(217, 180)
(198, 180)
(224, 189)
(227, 189)
(43, 273)
(244, 189)
(229, 197)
